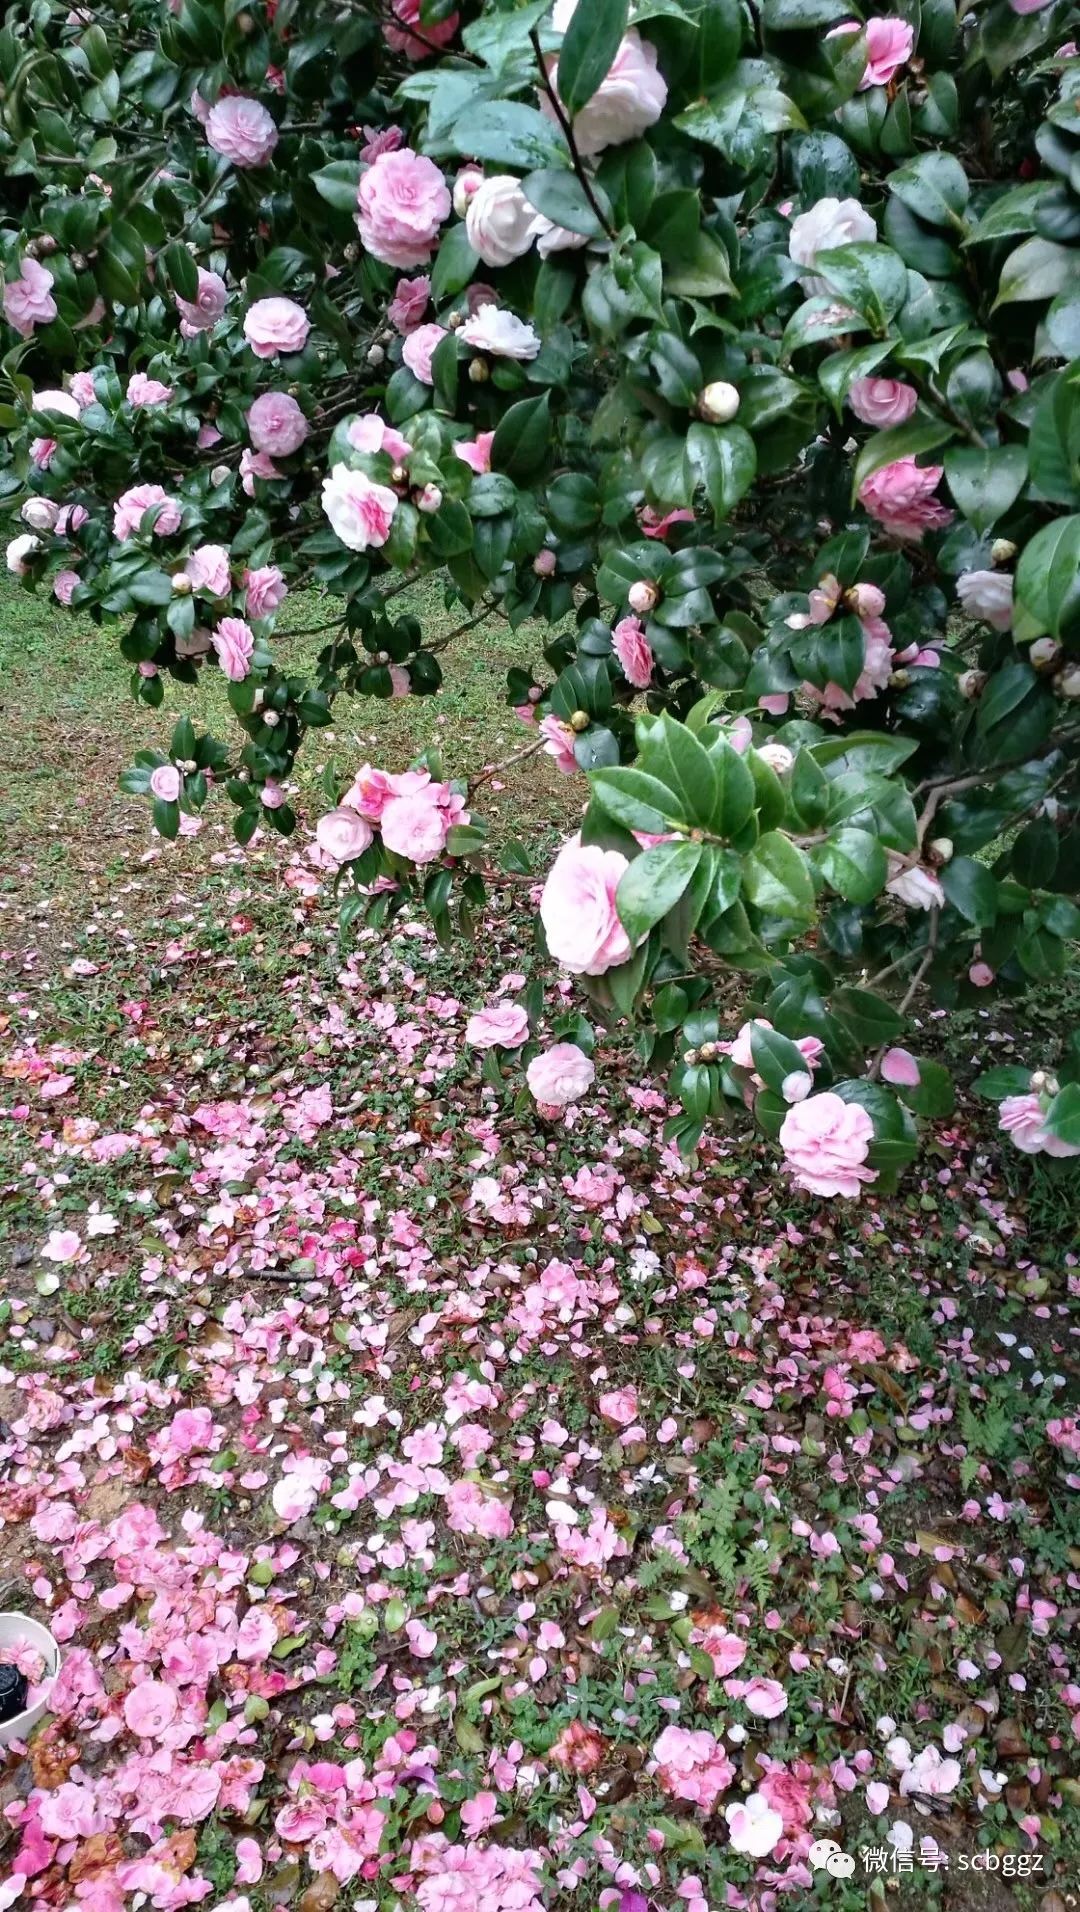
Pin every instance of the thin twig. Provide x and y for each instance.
(568, 131)
(909, 994)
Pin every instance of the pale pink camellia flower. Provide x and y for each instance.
(276, 424)
(241, 130)
(370, 792)
(931, 1775)
(130, 506)
(470, 1511)
(65, 583)
(415, 827)
(492, 329)
(888, 47)
(142, 391)
(19, 551)
(28, 300)
(692, 1766)
(343, 834)
(403, 201)
(207, 437)
(476, 452)
(479, 1814)
(726, 1650)
(419, 348)
(559, 743)
(421, 44)
(266, 590)
(208, 569)
(882, 401)
(545, 563)
(370, 433)
(619, 1406)
(913, 884)
(83, 390)
(150, 1708)
(499, 220)
(655, 525)
(578, 911)
(234, 642)
(824, 227)
(65, 403)
(630, 98)
(165, 782)
(360, 511)
(71, 520)
(900, 496)
(754, 1827)
(560, 1075)
(380, 139)
(422, 1640)
(899, 1067)
(255, 464)
(796, 1086)
(409, 303)
(198, 107)
(499, 1025)
(1023, 1119)
(63, 1245)
(766, 1699)
(878, 658)
(1028, 6)
(634, 652)
(400, 681)
(989, 595)
(40, 514)
(981, 975)
(276, 325)
(579, 1748)
(825, 1142)
(204, 311)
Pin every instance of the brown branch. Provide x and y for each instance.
(909, 994)
(568, 132)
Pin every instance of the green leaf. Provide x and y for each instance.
(871, 278)
(671, 752)
(455, 264)
(638, 800)
(562, 198)
(986, 483)
(589, 46)
(181, 270)
(1039, 269)
(775, 1056)
(854, 864)
(508, 133)
(776, 878)
(1054, 439)
(338, 184)
(1063, 1115)
(1048, 582)
(653, 883)
(933, 1095)
(869, 1017)
(725, 459)
(934, 186)
(900, 441)
(971, 889)
(522, 436)
(996, 1084)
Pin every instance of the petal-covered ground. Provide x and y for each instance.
(442, 1507)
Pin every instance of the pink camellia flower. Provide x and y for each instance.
(989, 595)
(578, 911)
(499, 220)
(824, 227)
(254, 464)
(149, 1708)
(421, 44)
(900, 497)
(931, 1775)
(825, 1142)
(560, 1075)
(899, 1067)
(558, 743)
(343, 833)
(71, 520)
(1024, 1119)
(878, 659)
(766, 1699)
(415, 827)
(276, 325)
(234, 642)
(143, 391)
(634, 652)
(204, 311)
(476, 452)
(470, 1511)
(754, 1827)
(207, 437)
(266, 590)
(888, 48)
(913, 884)
(500, 1025)
(981, 975)
(370, 792)
(492, 329)
(65, 583)
(370, 433)
(630, 98)
(403, 201)
(1028, 6)
(579, 1748)
(83, 390)
(165, 782)
(692, 1766)
(409, 303)
(655, 525)
(19, 551)
(619, 1406)
(726, 1650)
(129, 508)
(241, 130)
(208, 569)
(360, 511)
(276, 424)
(882, 401)
(418, 349)
(28, 300)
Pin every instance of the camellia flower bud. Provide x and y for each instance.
(644, 596)
(1038, 1080)
(375, 355)
(940, 850)
(429, 499)
(899, 680)
(1002, 550)
(272, 718)
(1044, 654)
(970, 683)
(478, 371)
(580, 721)
(218, 474)
(398, 475)
(718, 403)
(468, 182)
(181, 584)
(1070, 682)
(544, 564)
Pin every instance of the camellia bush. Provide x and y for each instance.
(736, 342)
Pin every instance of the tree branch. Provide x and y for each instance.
(568, 132)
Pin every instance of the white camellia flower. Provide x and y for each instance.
(19, 550)
(754, 1827)
(829, 224)
(499, 220)
(55, 401)
(494, 330)
(40, 514)
(987, 594)
(914, 885)
(777, 756)
(360, 511)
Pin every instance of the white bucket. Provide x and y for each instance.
(19, 1626)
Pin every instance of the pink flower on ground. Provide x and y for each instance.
(65, 584)
(578, 911)
(165, 782)
(276, 424)
(343, 833)
(766, 1699)
(726, 1650)
(403, 201)
(28, 300)
(204, 311)
(692, 1766)
(931, 1775)
(558, 743)
(476, 452)
(266, 590)
(426, 40)
(500, 1025)
(470, 1511)
(560, 1075)
(1024, 1119)
(899, 1067)
(241, 130)
(276, 325)
(888, 48)
(360, 511)
(149, 1708)
(620, 1406)
(634, 652)
(478, 1815)
(825, 1142)
(419, 348)
(208, 569)
(900, 497)
(129, 508)
(234, 642)
(370, 433)
(579, 1748)
(882, 401)
(143, 391)
(409, 303)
